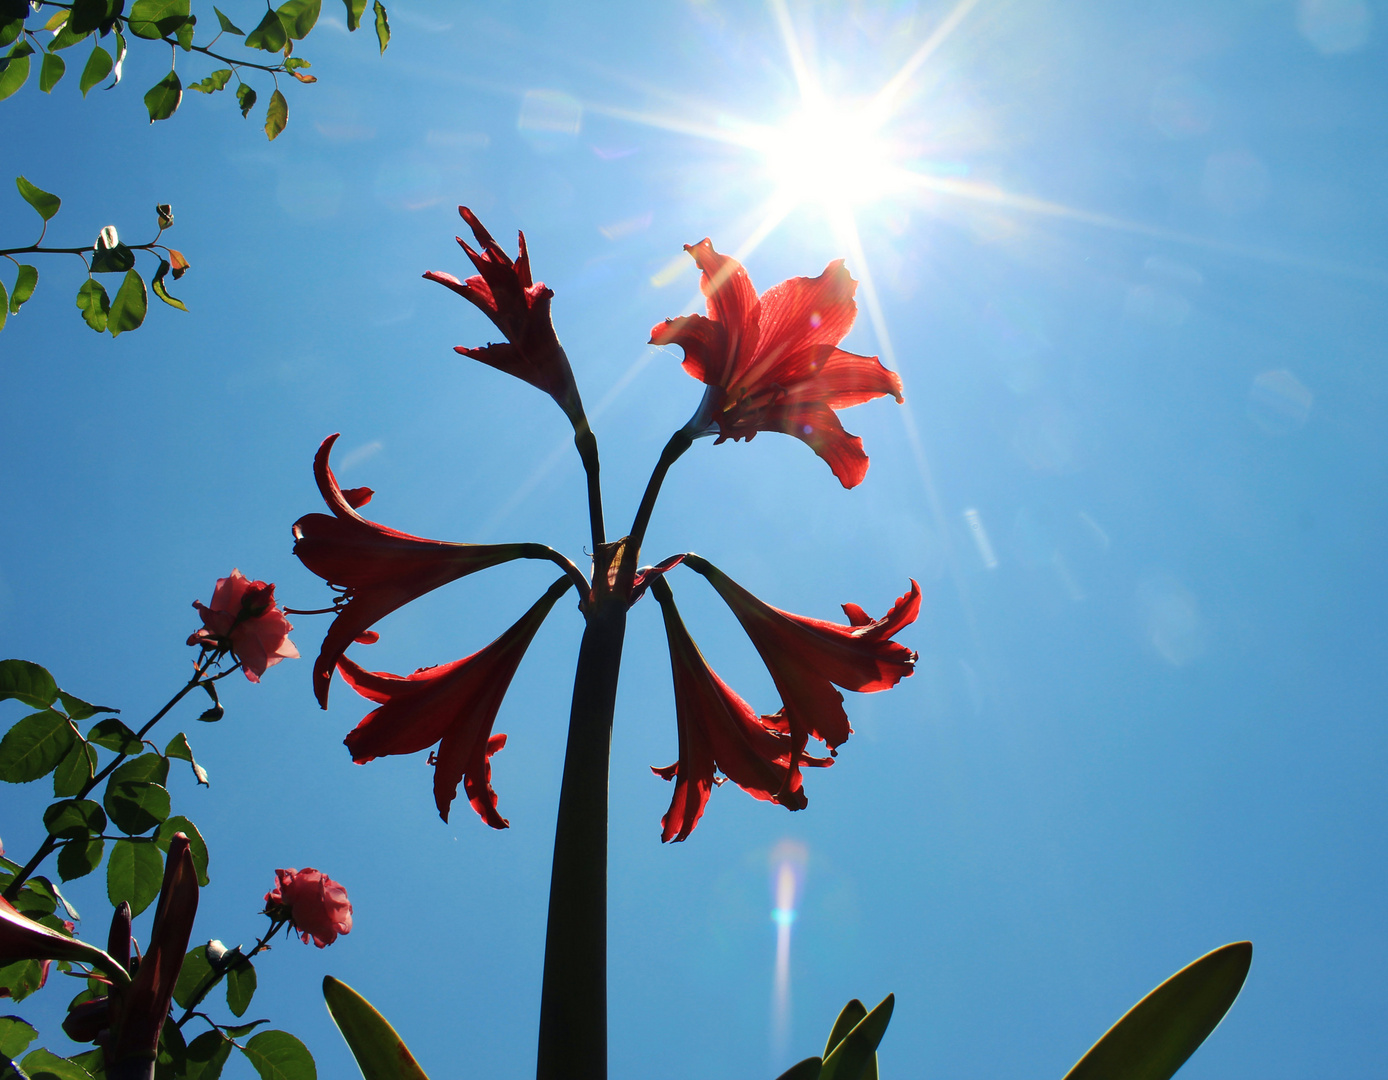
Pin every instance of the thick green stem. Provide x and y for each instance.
(587, 444)
(573, 1001)
(679, 442)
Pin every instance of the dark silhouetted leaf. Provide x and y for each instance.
(151, 768)
(34, 746)
(278, 1055)
(848, 1019)
(114, 735)
(245, 97)
(89, 15)
(51, 71)
(802, 1070)
(240, 986)
(66, 38)
(78, 709)
(206, 1056)
(195, 971)
(11, 26)
(157, 284)
(178, 748)
(95, 304)
(129, 307)
(1156, 1036)
(163, 97)
(74, 818)
(113, 260)
(136, 807)
(382, 24)
(854, 1055)
(75, 770)
(381, 1054)
(133, 874)
(47, 205)
(78, 858)
(276, 115)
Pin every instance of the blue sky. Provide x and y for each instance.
(1135, 288)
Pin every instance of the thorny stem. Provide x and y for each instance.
(51, 844)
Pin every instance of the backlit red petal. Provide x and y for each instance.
(796, 314)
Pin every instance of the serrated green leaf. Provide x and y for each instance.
(154, 19)
(355, 10)
(240, 986)
(197, 846)
(276, 115)
(14, 69)
(382, 25)
(23, 680)
(20, 979)
(1155, 1037)
(133, 874)
(94, 304)
(380, 1052)
(138, 807)
(50, 71)
(161, 291)
(245, 97)
(278, 1055)
(269, 34)
(24, 284)
(75, 771)
(74, 818)
(206, 1056)
(34, 746)
(163, 97)
(15, 1035)
(78, 709)
(228, 27)
(78, 858)
(214, 82)
(191, 976)
(299, 16)
(130, 305)
(114, 735)
(43, 1065)
(151, 768)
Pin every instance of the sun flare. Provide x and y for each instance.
(829, 154)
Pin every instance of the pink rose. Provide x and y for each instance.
(245, 621)
(312, 903)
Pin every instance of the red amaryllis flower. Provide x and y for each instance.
(718, 730)
(378, 569)
(23, 938)
(773, 364)
(453, 705)
(312, 903)
(806, 656)
(245, 621)
(504, 292)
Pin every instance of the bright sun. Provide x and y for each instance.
(830, 155)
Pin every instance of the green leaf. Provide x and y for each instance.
(276, 115)
(89, 15)
(854, 1055)
(15, 1035)
(120, 59)
(170, 1061)
(214, 82)
(14, 69)
(92, 1061)
(161, 291)
(4, 314)
(206, 1056)
(151, 768)
(34, 746)
(191, 976)
(136, 807)
(75, 770)
(133, 874)
(95, 304)
(236, 1031)
(278, 1055)
(74, 818)
(154, 19)
(41, 1065)
(197, 846)
(1155, 1037)
(381, 1054)
(79, 858)
(163, 97)
(269, 35)
(116, 259)
(382, 25)
(299, 16)
(178, 748)
(24, 284)
(848, 1019)
(20, 979)
(66, 38)
(37, 899)
(11, 28)
(245, 97)
(129, 307)
(212, 715)
(51, 71)
(240, 986)
(22, 680)
(355, 10)
(78, 709)
(228, 27)
(184, 34)
(802, 1070)
(114, 735)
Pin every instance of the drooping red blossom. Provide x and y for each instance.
(773, 363)
(23, 938)
(245, 621)
(504, 291)
(379, 569)
(312, 903)
(806, 657)
(720, 731)
(454, 705)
